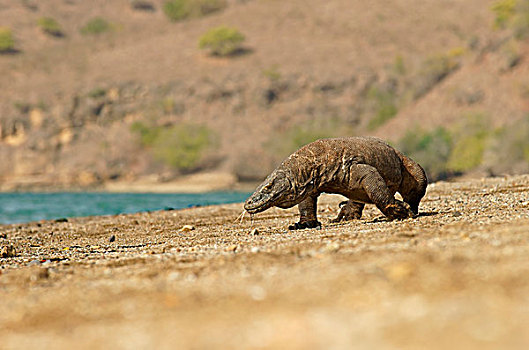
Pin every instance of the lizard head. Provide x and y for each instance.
(276, 190)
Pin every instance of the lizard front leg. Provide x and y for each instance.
(307, 214)
(378, 192)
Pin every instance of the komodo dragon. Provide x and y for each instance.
(363, 169)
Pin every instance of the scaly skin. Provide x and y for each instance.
(366, 170)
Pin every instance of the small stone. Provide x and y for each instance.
(61, 220)
(112, 238)
(254, 232)
(34, 263)
(406, 234)
(331, 247)
(233, 248)
(187, 228)
(8, 251)
(255, 250)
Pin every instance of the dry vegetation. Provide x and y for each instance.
(79, 76)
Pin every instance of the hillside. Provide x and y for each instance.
(455, 277)
(141, 103)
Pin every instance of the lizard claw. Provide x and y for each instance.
(303, 225)
(399, 210)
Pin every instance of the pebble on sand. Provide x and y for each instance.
(331, 247)
(8, 251)
(187, 228)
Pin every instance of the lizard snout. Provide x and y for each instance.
(255, 202)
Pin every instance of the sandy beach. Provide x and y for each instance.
(455, 277)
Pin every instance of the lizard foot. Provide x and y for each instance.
(399, 210)
(349, 211)
(303, 225)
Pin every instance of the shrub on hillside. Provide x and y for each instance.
(521, 20)
(97, 92)
(205, 7)
(22, 107)
(431, 149)
(181, 146)
(222, 41)
(96, 26)
(504, 10)
(434, 69)
(385, 106)
(272, 73)
(7, 42)
(171, 106)
(510, 55)
(443, 153)
(177, 10)
(470, 142)
(512, 14)
(509, 149)
(146, 133)
(299, 135)
(50, 26)
(142, 5)
(399, 66)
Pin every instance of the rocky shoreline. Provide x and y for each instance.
(195, 183)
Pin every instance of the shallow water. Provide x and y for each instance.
(21, 207)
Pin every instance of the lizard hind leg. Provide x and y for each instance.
(349, 210)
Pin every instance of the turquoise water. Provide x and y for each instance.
(25, 207)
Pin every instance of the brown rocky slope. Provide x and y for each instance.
(80, 110)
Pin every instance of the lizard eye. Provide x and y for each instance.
(267, 186)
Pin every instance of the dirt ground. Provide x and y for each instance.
(455, 277)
